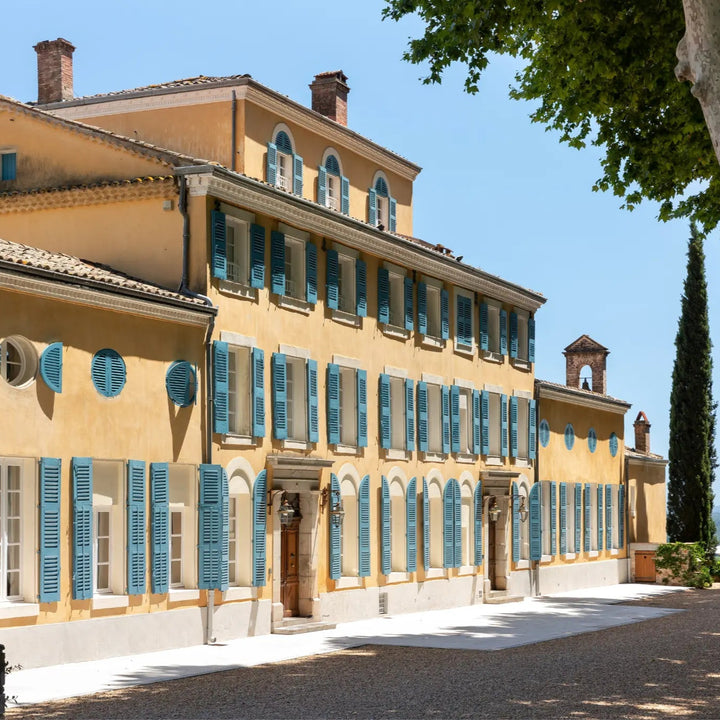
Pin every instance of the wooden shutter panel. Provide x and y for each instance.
(372, 207)
(364, 527)
(225, 542)
(297, 175)
(563, 519)
(409, 309)
(311, 273)
(621, 517)
(136, 554)
(51, 364)
(478, 523)
(514, 426)
(360, 288)
(220, 387)
(333, 403)
(578, 516)
(257, 256)
(312, 394)
(535, 523)
(422, 308)
(277, 262)
(444, 314)
(49, 550)
(448, 525)
(386, 528)
(531, 340)
(608, 517)
(160, 527)
(181, 383)
(503, 332)
(259, 528)
(532, 430)
(8, 166)
(422, 409)
(344, 196)
(335, 530)
(513, 335)
(271, 164)
(393, 214)
(279, 389)
(600, 516)
(553, 518)
(515, 523)
(383, 296)
(333, 295)
(455, 418)
(362, 430)
(484, 327)
(445, 393)
(485, 422)
(588, 518)
(82, 476)
(457, 524)
(385, 419)
(409, 415)
(411, 520)
(426, 527)
(258, 399)
(504, 425)
(218, 245)
(464, 320)
(476, 417)
(322, 186)
(210, 527)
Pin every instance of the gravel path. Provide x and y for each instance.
(652, 669)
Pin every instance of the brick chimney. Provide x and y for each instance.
(329, 95)
(55, 70)
(642, 433)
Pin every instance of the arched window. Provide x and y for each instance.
(240, 530)
(586, 378)
(284, 167)
(333, 188)
(398, 526)
(435, 502)
(382, 207)
(467, 534)
(452, 524)
(350, 527)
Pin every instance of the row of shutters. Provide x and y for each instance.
(535, 517)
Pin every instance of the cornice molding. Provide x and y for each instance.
(261, 198)
(634, 459)
(597, 402)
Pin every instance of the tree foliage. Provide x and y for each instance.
(602, 72)
(692, 413)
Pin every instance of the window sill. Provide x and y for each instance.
(397, 577)
(569, 556)
(522, 565)
(519, 364)
(394, 331)
(294, 304)
(546, 558)
(593, 553)
(18, 609)
(494, 460)
(493, 357)
(177, 594)
(237, 440)
(240, 593)
(437, 457)
(346, 582)
(345, 318)
(467, 458)
(295, 444)
(341, 449)
(468, 350)
(521, 462)
(432, 342)
(614, 551)
(392, 454)
(466, 570)
(228, 287)
(101, 602)
(434, 573)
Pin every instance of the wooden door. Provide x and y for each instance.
(645, 566)
(289, 582)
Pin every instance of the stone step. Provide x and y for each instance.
(498, 597)
(296, 626)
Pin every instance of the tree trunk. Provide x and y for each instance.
(699, 56)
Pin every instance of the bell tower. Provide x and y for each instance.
(586, 352)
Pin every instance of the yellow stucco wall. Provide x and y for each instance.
(646, 502)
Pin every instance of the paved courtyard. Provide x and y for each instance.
(588, 657)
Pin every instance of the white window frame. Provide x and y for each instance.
(435, 415)
(523, 427)
(240, 487)
(25, 358)
(182, 486)
(238, 243)
(109, 494)
(593, 519)
(237, 346)
(495, 421)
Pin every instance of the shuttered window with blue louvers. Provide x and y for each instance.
(332, 274)
(364, 527)
(335, 529)
(553, 517)
(515, 523)
(513, 335)
(503, 332)
(621, 516)
(485, 422)
(160, 527)
(136, 553)
(279, 390)
(181, 383)
(411, 519)
(311, 273)
(578, 515)
(445, 395)
(50, 498)
(478, 523)
(211, 527)
(409, 415)
(259, 528)
(588, 518)
(82, 498)
(608, 517)
(383, 296)
(455, 418)
(422, 416)
(333, 403)
(476, 420)
(108, 372)
(563, 519)
(463, 320)
(426, 526)
(51, 365)
(600, 517)
(385, 528)
(535, 523)
(362, 428)
(452, 530)
(532, 429)
(258, 392)
(422, 311)
(360, 288)
(504, 425)
(384, 411)
(312, 396)
(408, 302)
(514, 426)
(220, 387)
(218, 236)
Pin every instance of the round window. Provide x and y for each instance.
(613, 444)
(108, 372)
(569, 436)
(18, 361)
(592, 440)
(544, 433)
(181, 383)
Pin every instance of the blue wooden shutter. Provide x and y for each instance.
(411, 519)
(297, 175)
(210, 527)
(312, 394)
(393, 214)
(344, 196)
(333, 294)
(271, 164)
(372, 207)
(311, 272)
(531, 340)
(478, 523)
(484, 329)
(588, 517)
(448, 525)
(279, 389)
(464, 320)
(422, 307)
(225, 541)
(408, 284)
(277, 262)
(563, 518)
(257, 256)
(386, 528)
(258, 398)
(322, 186)
(51, 364)
(476, 417)
(360, 288)
(364, 527)
(136, 554)
(578, 516)
(457, 524)
(50, 492)
(514, 426)
(553, 518)
(621, 517)
(504, 425)
(160, 527)
(220, 387)
(333, 403)
(422, 411)
(515, 523)
(444, 314)
(362, 430)
(455, 418)
(532, 430)
(335, 530)
(8, 166)
(600, 516)
(409, 415)
(385, 419)
(485, 422)
(383, 296)
(608, 517)
(445, 393)
(513, 335)
(219, 245)
(426, 527)
(259, 528)
(503, 332)
(535, 523)
(82, 475)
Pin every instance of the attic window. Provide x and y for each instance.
(8, 165)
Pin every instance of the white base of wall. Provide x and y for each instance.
(562, 578)
(70, 642)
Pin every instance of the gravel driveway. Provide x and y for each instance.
(651, 669)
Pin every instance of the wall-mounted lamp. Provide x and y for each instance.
(494, 511)
(337, 511)
(286, 510)
(522, 510)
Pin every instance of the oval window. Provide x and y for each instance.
(181, 383)
(592, 440)
(108, 372)
(613, 444)
(544, 433)
(18, 361)
(569, 436)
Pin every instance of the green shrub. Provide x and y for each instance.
(687, 563)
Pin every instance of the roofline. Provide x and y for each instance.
(357, 233)
(632, 457)
(584, 398)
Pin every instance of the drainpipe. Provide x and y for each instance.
(233, 132)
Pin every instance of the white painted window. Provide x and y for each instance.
(522, 324)
(294, 267)
(183, 525)
(399, 526)
(332, 198)
(18, 361)
(523, 427)
(284, 171)
(397, 413)
(296, 399)
(397, 299)
(346, 283)
(466, 525)
(495, 424)
(348, 406)
(176, 559)
(383, 218)
(435, 501)
(435, 417)
(240, 530)
(350, 528)
(102, 551)
(466, 421)
(109, 551)
(240, 391)
(237, 248)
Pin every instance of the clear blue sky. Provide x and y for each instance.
(499, 190)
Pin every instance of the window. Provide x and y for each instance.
(591, 523)
(435, 517)
(346, 404)
(350, 528)
(495, 424)
(433, 309)
(13, 544)
(183, 522)
(548, 507)
(434, 416)
(493, 328)
(333, 188)
(8, 165)
(466, 525)
(238, 248)
(524, 525)
(239, 391)
(399, 526)
(102, 551)
(108, 502)
(523, 425)
(18, 361)
(346, 281)
(570, 517)
(295, 398)
(108, 372)
(240, 530)
(464, 327)
(523, 430)
(466, 445)
(522, 336)
(569, 436)
(284, 168)
(180, 383)
(395, 297)
(382, 208)
(397, 411)
(294, 265)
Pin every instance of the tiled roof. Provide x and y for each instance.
(107, 183)
(28, 258)
(580, 392)
(648, 457)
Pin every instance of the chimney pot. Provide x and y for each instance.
(55, 70)
(642, 433)
(329, 95)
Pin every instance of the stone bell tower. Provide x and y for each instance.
(585, 351)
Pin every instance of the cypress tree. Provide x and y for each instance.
(692, 412)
